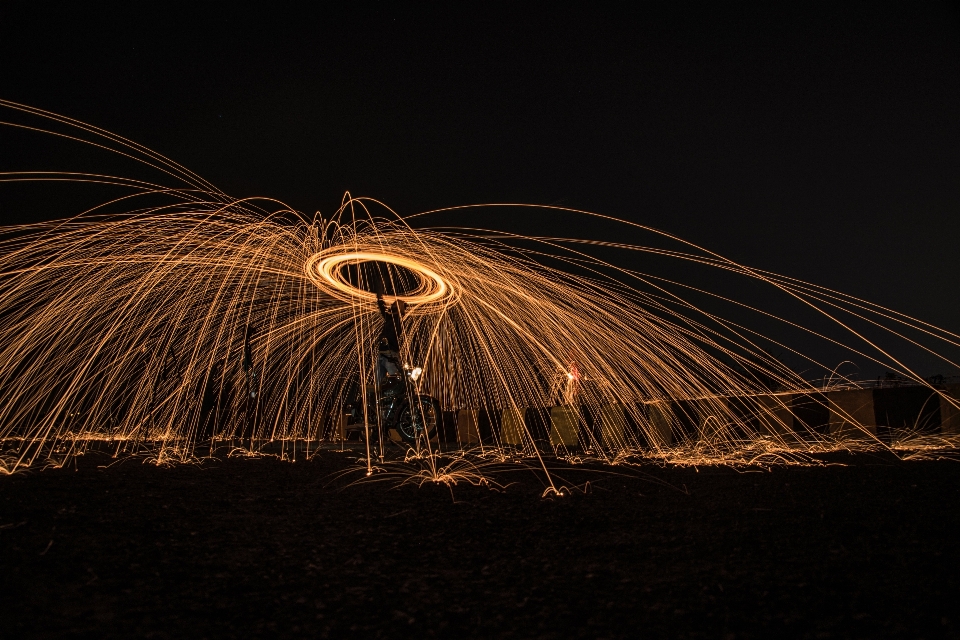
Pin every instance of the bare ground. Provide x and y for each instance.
(258, 547)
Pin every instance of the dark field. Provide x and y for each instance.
(259, 547)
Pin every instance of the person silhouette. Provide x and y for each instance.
(389, 365)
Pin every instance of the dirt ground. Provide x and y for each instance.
(866, 547)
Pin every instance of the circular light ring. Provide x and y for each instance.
(324, 269)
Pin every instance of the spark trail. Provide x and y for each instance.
(193, 315)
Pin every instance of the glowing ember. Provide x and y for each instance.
(213, 318)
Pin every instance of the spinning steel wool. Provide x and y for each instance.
(195, 316)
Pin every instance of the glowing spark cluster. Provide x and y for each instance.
(203, 317)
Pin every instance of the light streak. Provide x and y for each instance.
(325, 270)
(205, 317)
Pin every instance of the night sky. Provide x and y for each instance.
(824, 146)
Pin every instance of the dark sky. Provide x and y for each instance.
(824, 146)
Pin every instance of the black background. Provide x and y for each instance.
(823, 144)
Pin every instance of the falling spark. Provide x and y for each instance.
(206, 317)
